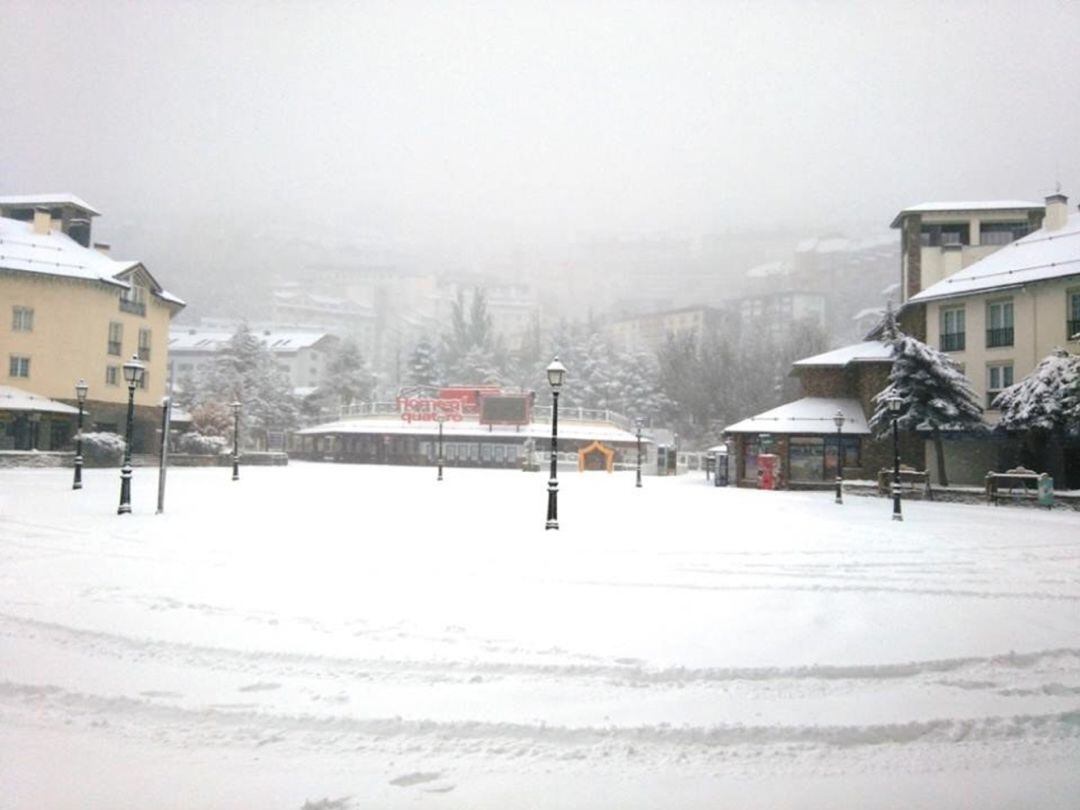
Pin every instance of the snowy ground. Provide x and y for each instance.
(337, 636)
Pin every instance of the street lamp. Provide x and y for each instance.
(638, 423)
(839, 420)
(236, 441)
(895, 404)
(440, 418)
(133, 375)
(80, 394)
(555, 374)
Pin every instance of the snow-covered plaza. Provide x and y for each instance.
(339, 636)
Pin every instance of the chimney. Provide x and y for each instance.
(78, 228)
(42, 221)
(102, 247)
(1057, 212)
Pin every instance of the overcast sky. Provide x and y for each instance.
(455, 124)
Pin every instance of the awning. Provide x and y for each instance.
(15, 399)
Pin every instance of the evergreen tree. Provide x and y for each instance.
(1044, 405)
(424, 365)
(471, 347)
(244, 371)
(348, 379)
(935, 396)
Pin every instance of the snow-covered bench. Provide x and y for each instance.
(1015, 484)
(914, 481)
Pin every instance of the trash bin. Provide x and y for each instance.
(1046, 491)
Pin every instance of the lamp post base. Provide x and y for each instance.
(553, 505)
(236, 468)
(897, 516)
(125, 491)
(839, 490)
(77, 483)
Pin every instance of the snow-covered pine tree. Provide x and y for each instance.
(423, 364)
(934, 393)
(1044, 405)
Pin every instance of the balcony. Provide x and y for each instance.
(999, 337)
(134, 307)
(1072, 328)
(953, 342)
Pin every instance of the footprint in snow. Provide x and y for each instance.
(416, 778)
(260, 687)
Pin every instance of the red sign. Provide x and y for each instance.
(425, 409)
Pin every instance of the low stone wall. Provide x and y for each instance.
(36, 458)
(1062, 500)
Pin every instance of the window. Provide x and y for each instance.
(22, 319)
(1072, 322)
(133, 300)
(19, 366)
(940, 235)
(112, 375)
(952, 329)
(144, 381)
(116, 338)
(1002, 233)
(999, 376)
(999, 324)
(144, 344)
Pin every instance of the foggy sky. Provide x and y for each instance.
(450, 128)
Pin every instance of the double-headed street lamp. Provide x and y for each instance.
(236, 442)
(133, 375)
(440, 418)
(638, 425)
(839, 420)
(555, 374)
(895, 406)
(80, 394)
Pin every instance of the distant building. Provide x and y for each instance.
(75, 313)
(650, 331)
(776, 314)
(303, 356)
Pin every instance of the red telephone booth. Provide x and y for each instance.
(768, 470)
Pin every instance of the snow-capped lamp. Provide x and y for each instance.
(895, 405)
(838, 420)
(133, 376)
(555, 374)
(236, 441)
(81, 389)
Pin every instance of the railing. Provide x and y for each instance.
(114, 348)
(953, 342)
(999, 337)
(541, 413)
(134, 307)
(1072, 329)
(144, 352)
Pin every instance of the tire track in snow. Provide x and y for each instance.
(115, 645)
(136, 716)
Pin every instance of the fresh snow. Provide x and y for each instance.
(344, 636)
(807, 415)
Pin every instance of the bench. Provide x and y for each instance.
(914, 480)
(1018, 483)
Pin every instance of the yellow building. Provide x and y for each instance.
(72, 312)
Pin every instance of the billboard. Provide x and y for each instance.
(506, 409)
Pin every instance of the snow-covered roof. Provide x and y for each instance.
(281, 341)
(57, 254)
(575, 431)
(777, 268)
(868, 351)
(806, 415)
(1039, 256)
(967, 205)
(16, 399)
(50, 200)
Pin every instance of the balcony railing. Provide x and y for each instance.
(953, 342)
(541, 413)
(144, 352)
(1072, 329)
(114, 348)
(134, 307)
(999, 337)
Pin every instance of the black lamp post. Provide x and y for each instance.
(895, 404)
(236, 442)
(839, 420)
(440, 418)
(555, 374)
(133, 375)
(638, 425)
(80, 394)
